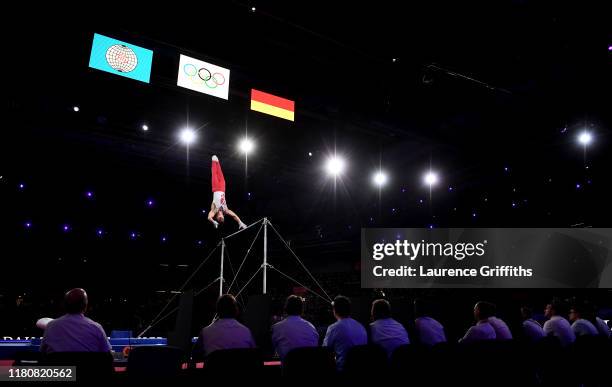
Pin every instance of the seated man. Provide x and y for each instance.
(580, 325)
(483, 330)
(557, 325)
(345, 333)
(293, 331)
(429, 331)
(73, 332)
(502, 332)
(384, 330)
(226, 332)
(532, 330)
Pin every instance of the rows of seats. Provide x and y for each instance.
(486, 363)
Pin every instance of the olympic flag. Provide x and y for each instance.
(120, 58)
(273, 105)
(203, 77)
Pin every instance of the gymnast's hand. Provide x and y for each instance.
(215, 223)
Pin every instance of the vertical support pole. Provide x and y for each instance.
(265, 255)
(221, 274)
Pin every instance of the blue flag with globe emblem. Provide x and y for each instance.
(120, 58)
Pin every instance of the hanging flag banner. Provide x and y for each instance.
(203, 77)
(120, 58)
(273, 105)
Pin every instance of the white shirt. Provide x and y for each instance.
(429, 331)
(502, 332)
(582, 327)
(342, 336)
(389, 334)
(560, 327)
(483, 330)
(219, 200)
(74, 333)
(532, 330)
(602, 327)
(293, 332)
(225, 333)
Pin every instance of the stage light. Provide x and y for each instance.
(246, 146)
(335, 166)
(66, 228)
(309, 154)
(585, 138)
(430, 178)
(380, 178)
(100, 232)
(187, 136)
(28, 225)
(21, 186)
(75, 108)
(145, 127)
(89, 194)
(150, 203)
(253, 9)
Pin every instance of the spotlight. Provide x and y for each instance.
(585, 138)
(28, 224)
(380, 178)
(75, 108)
(150, 203)
(309, 154)
(246, 146)
(89, 194)
(253, 9)
(430, 178)
(334, 166)
(187, 136)
(145, 127)
(66, 228)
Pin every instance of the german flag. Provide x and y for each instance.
(273, 105)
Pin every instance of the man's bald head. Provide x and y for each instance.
(75, 301)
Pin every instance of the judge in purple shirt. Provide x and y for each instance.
(73, 332)
(384, 330)
(345, 333)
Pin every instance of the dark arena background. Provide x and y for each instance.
(416, 115)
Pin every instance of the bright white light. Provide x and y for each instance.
(380, 178)
(76, 108)
(430, 178)
(145, 127)
(334, 166)
(253, 9)
(309, 154)
(585, 138)
(246, 145)
(187, 136)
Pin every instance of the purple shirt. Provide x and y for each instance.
(293, 332)
(225, 333)
(389, 334)
(74, 333)
(483, 330)
(429, 331)
(342, 336)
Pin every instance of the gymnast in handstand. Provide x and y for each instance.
(218, 207)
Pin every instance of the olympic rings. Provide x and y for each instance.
(203, 76)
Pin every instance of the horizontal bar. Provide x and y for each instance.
(244, 229)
